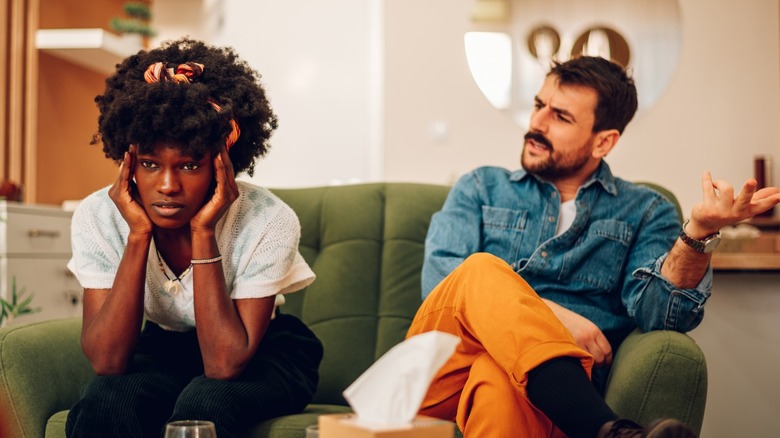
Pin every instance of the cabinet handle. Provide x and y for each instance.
(34, 232)
(73, 297)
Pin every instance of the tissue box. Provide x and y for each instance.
(345, 426)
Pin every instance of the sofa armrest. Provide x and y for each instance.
(42, 371)
(659, 374)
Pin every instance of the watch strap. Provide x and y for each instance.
(698, 245)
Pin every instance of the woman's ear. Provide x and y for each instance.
(604, 142)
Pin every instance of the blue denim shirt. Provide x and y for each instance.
(606, 266)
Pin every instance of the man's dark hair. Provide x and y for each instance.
(135, 112)
(617, 99)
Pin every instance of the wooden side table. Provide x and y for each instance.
(759, 253)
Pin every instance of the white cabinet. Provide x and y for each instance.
(34, 251)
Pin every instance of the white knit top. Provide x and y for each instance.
(258, 239)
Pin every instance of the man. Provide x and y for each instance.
(542, 272)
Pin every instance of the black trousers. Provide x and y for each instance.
(165, 382)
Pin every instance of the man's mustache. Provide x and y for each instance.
(539, 138)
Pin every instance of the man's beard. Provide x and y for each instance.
(553, 168)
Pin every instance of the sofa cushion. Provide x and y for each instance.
(365, 243)
(55, 427)
(43, 372)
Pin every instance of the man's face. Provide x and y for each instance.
(560, 141)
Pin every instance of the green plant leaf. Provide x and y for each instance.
(19, 305)
(26, 302)
(138, 10)
(26, 311)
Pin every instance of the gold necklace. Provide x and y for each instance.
(170, 286)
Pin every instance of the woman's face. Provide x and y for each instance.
(172, 186)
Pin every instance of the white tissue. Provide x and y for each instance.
(391, 391)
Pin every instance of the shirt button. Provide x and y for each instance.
(551, 218)
(544, 253)
(554, 194)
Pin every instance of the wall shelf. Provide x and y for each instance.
(96, 49)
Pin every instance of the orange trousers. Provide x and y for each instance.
(506, 330)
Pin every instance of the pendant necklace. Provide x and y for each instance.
(170, 286)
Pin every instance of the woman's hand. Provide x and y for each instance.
(225, 193)
(125, 195)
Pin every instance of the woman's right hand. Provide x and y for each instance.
(125, 195)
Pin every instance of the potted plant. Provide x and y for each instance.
(137, 21)
(17, 306)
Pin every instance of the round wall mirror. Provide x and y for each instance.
(512, 44)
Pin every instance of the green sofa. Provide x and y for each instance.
(365, 242)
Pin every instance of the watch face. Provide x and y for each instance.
(711, 243)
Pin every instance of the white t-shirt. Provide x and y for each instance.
(566, 217)
(258, 239)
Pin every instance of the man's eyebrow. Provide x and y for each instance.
(559, 111)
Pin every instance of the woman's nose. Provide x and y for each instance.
(169, 182)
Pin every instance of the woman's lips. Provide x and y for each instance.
(167, 209)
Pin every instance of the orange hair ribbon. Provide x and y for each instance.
(184, 74)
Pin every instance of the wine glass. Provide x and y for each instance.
(312, 431)
(190, 429)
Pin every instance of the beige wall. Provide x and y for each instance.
(320, 63)
(721, 108)
(428, 83)
(740, 337)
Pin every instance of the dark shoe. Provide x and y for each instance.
(623, 428)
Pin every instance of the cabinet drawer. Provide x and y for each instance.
(56, 290)
(28, 233)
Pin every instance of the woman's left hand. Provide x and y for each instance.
(225, 193)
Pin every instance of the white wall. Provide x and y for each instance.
(379, 89)
(740, 337)
(428, 83)
(721, 108)
(320, 63)
(370, 90)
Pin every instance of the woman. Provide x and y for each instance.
(183, 267)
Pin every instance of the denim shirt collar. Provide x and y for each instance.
(602, 175)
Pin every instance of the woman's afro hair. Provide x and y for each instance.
(134, 112)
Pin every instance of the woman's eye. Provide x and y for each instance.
(191, 166)
(148, 164)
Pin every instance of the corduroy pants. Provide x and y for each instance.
(506, 330)
(165, 382)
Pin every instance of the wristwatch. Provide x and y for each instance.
(705, 246)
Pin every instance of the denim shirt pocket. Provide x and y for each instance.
(503, 231)
(596, 261)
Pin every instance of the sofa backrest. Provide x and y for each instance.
(365, 243)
